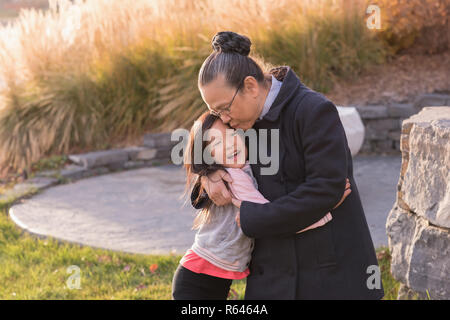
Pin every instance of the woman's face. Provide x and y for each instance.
(226, 146)
(247, 104)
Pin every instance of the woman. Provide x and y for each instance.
(220, 252)
(330, 262)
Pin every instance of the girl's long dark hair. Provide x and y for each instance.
(194, 171)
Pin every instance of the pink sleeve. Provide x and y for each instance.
(243, 188)
(319, 223)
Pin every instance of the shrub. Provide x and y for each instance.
(82, 75)
(423, 23)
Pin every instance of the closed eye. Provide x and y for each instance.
(217, 142)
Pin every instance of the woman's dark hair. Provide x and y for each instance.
(230, 58)
(198, 168)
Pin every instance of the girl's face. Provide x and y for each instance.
(226, 145)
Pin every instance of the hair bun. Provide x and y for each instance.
(231, 42)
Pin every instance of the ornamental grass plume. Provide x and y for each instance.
(86, 74)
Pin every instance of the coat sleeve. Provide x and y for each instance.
(325, 154)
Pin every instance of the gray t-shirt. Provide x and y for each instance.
(221, 241)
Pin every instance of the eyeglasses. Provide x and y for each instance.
(227, 109)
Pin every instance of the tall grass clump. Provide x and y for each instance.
(88, 73)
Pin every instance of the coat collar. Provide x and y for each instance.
(289, 87)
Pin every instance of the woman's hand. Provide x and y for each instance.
(215, 188)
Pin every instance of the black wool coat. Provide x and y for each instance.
(335, 261)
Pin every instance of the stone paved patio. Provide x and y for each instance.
(140, 210)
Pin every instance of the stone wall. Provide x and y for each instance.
(383, 122)
(418, 226)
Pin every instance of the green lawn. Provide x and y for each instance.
(33, 268)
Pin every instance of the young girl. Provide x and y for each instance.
(221, 252)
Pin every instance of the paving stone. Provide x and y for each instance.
(394, 135)
(100, 158)
(47, 173)
(41, 182)
(372, 112)
(430, 99)
(72, 171)
(401, 110)
(133, 151)
(147, 154)
(157, 140)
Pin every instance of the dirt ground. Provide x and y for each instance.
(399, 80)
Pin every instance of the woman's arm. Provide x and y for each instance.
(325, 153)
(244, 190)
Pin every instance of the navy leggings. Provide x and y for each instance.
(188, 285)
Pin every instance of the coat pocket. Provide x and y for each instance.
(325, 246)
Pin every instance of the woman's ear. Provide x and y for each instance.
(250, 86)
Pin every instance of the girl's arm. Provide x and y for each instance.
(243, 189)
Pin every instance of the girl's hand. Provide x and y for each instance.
(215, 188)
(346, 193)
(236, 202)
